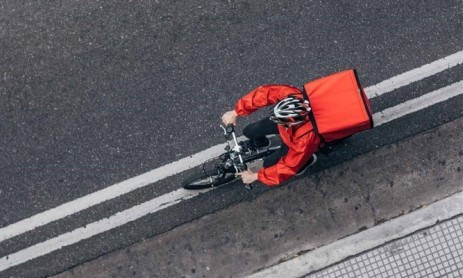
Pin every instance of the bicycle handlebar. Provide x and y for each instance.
(230, 130)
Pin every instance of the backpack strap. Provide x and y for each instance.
(312, 118)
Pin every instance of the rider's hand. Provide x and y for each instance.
(229, 118)
(247, 176)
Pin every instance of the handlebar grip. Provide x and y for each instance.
(230, 128)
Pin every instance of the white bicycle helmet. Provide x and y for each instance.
(290, 111)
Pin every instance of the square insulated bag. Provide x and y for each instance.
(339, 105)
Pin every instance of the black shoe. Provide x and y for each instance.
(304, 168)
(251, 146)
(262, 143)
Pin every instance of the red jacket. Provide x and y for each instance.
(301, 140)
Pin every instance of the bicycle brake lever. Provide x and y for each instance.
(224, 130)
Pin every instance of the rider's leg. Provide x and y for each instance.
(273, 158)
(257, 131)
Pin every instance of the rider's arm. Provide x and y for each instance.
(289, 164)
(263, 96)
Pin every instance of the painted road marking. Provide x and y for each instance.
(108, 193)
(178, 195)
(418, 103)
(414, 75)
(119, 189)
(97, 227)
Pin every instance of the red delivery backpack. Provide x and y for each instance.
(339, 105)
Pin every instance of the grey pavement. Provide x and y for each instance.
(422, 243)
(436, 251)
(293, 220)
(95, 92)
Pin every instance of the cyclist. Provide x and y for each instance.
(290, 119)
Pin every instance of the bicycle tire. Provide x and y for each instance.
(201, 180)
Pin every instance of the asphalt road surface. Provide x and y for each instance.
(93, 93)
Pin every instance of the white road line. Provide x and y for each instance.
(414, 75)
(97, 227)
(174, 197)
(108, 193)
(418, 103)
(173, 168)
(366, 240)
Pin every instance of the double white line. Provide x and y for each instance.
(176, 167)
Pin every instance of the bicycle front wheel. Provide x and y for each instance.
(202, 180)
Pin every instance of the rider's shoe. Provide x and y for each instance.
(262, 145)
(247, 147)
(311, 162)
(251, 146)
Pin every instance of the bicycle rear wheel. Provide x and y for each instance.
(202, 180)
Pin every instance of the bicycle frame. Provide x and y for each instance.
(226, 166)
(233, 156)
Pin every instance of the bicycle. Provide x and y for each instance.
(225, 166)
